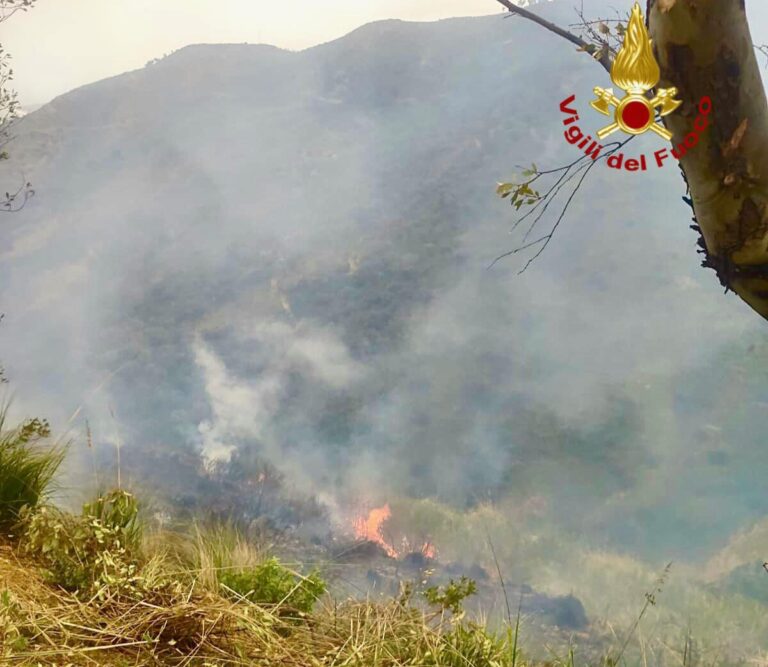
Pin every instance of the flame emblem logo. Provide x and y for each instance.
(635, 71)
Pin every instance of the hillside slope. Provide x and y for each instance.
(286, 253)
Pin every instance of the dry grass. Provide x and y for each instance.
(182, 623)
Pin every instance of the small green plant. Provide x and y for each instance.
(27, 467)
(119, 510)
(273, 583)
(12, 638)
(95, 553)
(451, 596)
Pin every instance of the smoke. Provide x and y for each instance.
(243, 408)
(244, 249)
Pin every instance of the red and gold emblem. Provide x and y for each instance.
(636, 71)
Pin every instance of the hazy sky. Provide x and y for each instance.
(62, 44)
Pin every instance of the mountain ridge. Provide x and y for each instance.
(194, 235)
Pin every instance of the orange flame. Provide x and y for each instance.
(369, 527)
(428, 549)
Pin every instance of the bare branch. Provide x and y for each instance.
(9, 7)
(607, 35)
(15, 201)
(9, 109)
(575, 171)
(604, 56)
(763, 49)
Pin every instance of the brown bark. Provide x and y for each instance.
(705, 49)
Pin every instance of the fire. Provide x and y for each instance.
(428, 549)
(371, 527)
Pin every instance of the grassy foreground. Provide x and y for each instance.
(92, 588)
(184, 623)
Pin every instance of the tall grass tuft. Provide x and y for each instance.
(27, 467)
(219, 548)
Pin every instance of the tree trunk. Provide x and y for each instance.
(705, 49)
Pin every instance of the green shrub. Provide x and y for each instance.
(27, 468)
(451, 596)
(273, 583)
(225, 561)
(95, 553)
